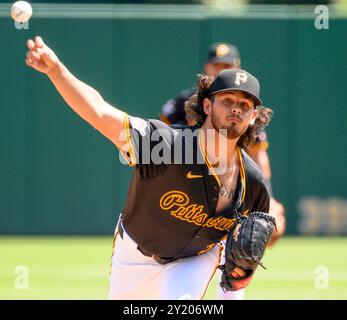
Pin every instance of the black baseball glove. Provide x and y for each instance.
(245, 248)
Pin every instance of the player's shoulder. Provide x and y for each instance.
(255, 182)
(185, 133)
(253, 171)
(178, 128)
(181, 126)
(155, 126)
(142, 123)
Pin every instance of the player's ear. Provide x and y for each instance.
(254, 116)
(207, 104)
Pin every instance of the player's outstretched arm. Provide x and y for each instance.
(83, 99)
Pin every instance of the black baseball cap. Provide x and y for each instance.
(236, 80)
(224, 53)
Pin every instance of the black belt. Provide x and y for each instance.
(146, 253)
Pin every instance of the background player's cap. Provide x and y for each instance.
(223, 53)
(236, 79)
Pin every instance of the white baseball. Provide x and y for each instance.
(21, 11)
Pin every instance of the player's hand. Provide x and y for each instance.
(238, 273)
(40, 57)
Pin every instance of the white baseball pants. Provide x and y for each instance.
(137, 277)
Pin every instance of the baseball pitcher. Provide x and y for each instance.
(190, 188)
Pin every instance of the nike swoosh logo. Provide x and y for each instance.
(245, 213)
(193, 176)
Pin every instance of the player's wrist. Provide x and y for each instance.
(55, 70)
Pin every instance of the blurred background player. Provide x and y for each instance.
(226, 56)
(220, 56)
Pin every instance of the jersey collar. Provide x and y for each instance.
(242, 171)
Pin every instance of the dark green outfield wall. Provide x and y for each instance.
(60, 176)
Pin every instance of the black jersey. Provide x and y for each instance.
(170, 208)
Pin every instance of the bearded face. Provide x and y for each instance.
(233, 111)
(233, 125)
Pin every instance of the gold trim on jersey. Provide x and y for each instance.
(129, 156)
(242, 174)
(208, 248)
(208, 163)
(113, 246)
(214, 271)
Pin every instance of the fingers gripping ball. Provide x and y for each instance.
(21, 11)
(245, 247)
(40, 57)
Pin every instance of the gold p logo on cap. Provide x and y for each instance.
(222, 50)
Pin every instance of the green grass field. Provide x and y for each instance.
(78, 267)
